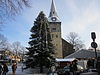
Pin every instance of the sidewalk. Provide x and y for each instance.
(18, 71)
(25, 72)
(89, 73)
(30, 71)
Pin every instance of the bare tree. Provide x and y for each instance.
(4, 44)
(3, 41)
(74, 39)
(16, 47)
(10, 8)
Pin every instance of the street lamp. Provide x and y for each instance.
(94, 44)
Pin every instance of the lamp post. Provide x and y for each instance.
(94, 44)
(46, 37)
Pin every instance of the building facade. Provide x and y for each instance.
(67, 48)
(55, 29)
(61, 46)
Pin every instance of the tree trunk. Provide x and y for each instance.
(41, 68)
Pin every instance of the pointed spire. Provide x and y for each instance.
(53, 12)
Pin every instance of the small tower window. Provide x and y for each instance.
(53, 29)
(52, 35)
(53, 12)
(56, 44)
(56, 36)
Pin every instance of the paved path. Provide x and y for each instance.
(26, 72)
(18, 71)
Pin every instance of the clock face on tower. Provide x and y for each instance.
(53, 18)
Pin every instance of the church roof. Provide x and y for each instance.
(83, 54)
(53, 17)
(63, 40)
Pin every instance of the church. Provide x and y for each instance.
(62, 47)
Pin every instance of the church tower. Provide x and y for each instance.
(55, 29)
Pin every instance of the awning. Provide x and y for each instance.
(65, 60)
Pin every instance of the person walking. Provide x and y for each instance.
(67, 69)
(1, 69)
(5, 69)
(74, 67)
(98, 65)
(14, 67)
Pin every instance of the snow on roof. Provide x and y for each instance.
(68, 59)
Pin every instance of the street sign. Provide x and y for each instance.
(94, 44)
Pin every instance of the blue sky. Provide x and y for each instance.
(80, 16)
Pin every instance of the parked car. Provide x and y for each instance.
(63, 71)
(3, 61)
(80, 68)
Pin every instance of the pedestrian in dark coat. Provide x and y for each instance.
(1, 69)
(14, 67)
(74, 67)
(5, 69)
(67, 69)
(98, 65)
